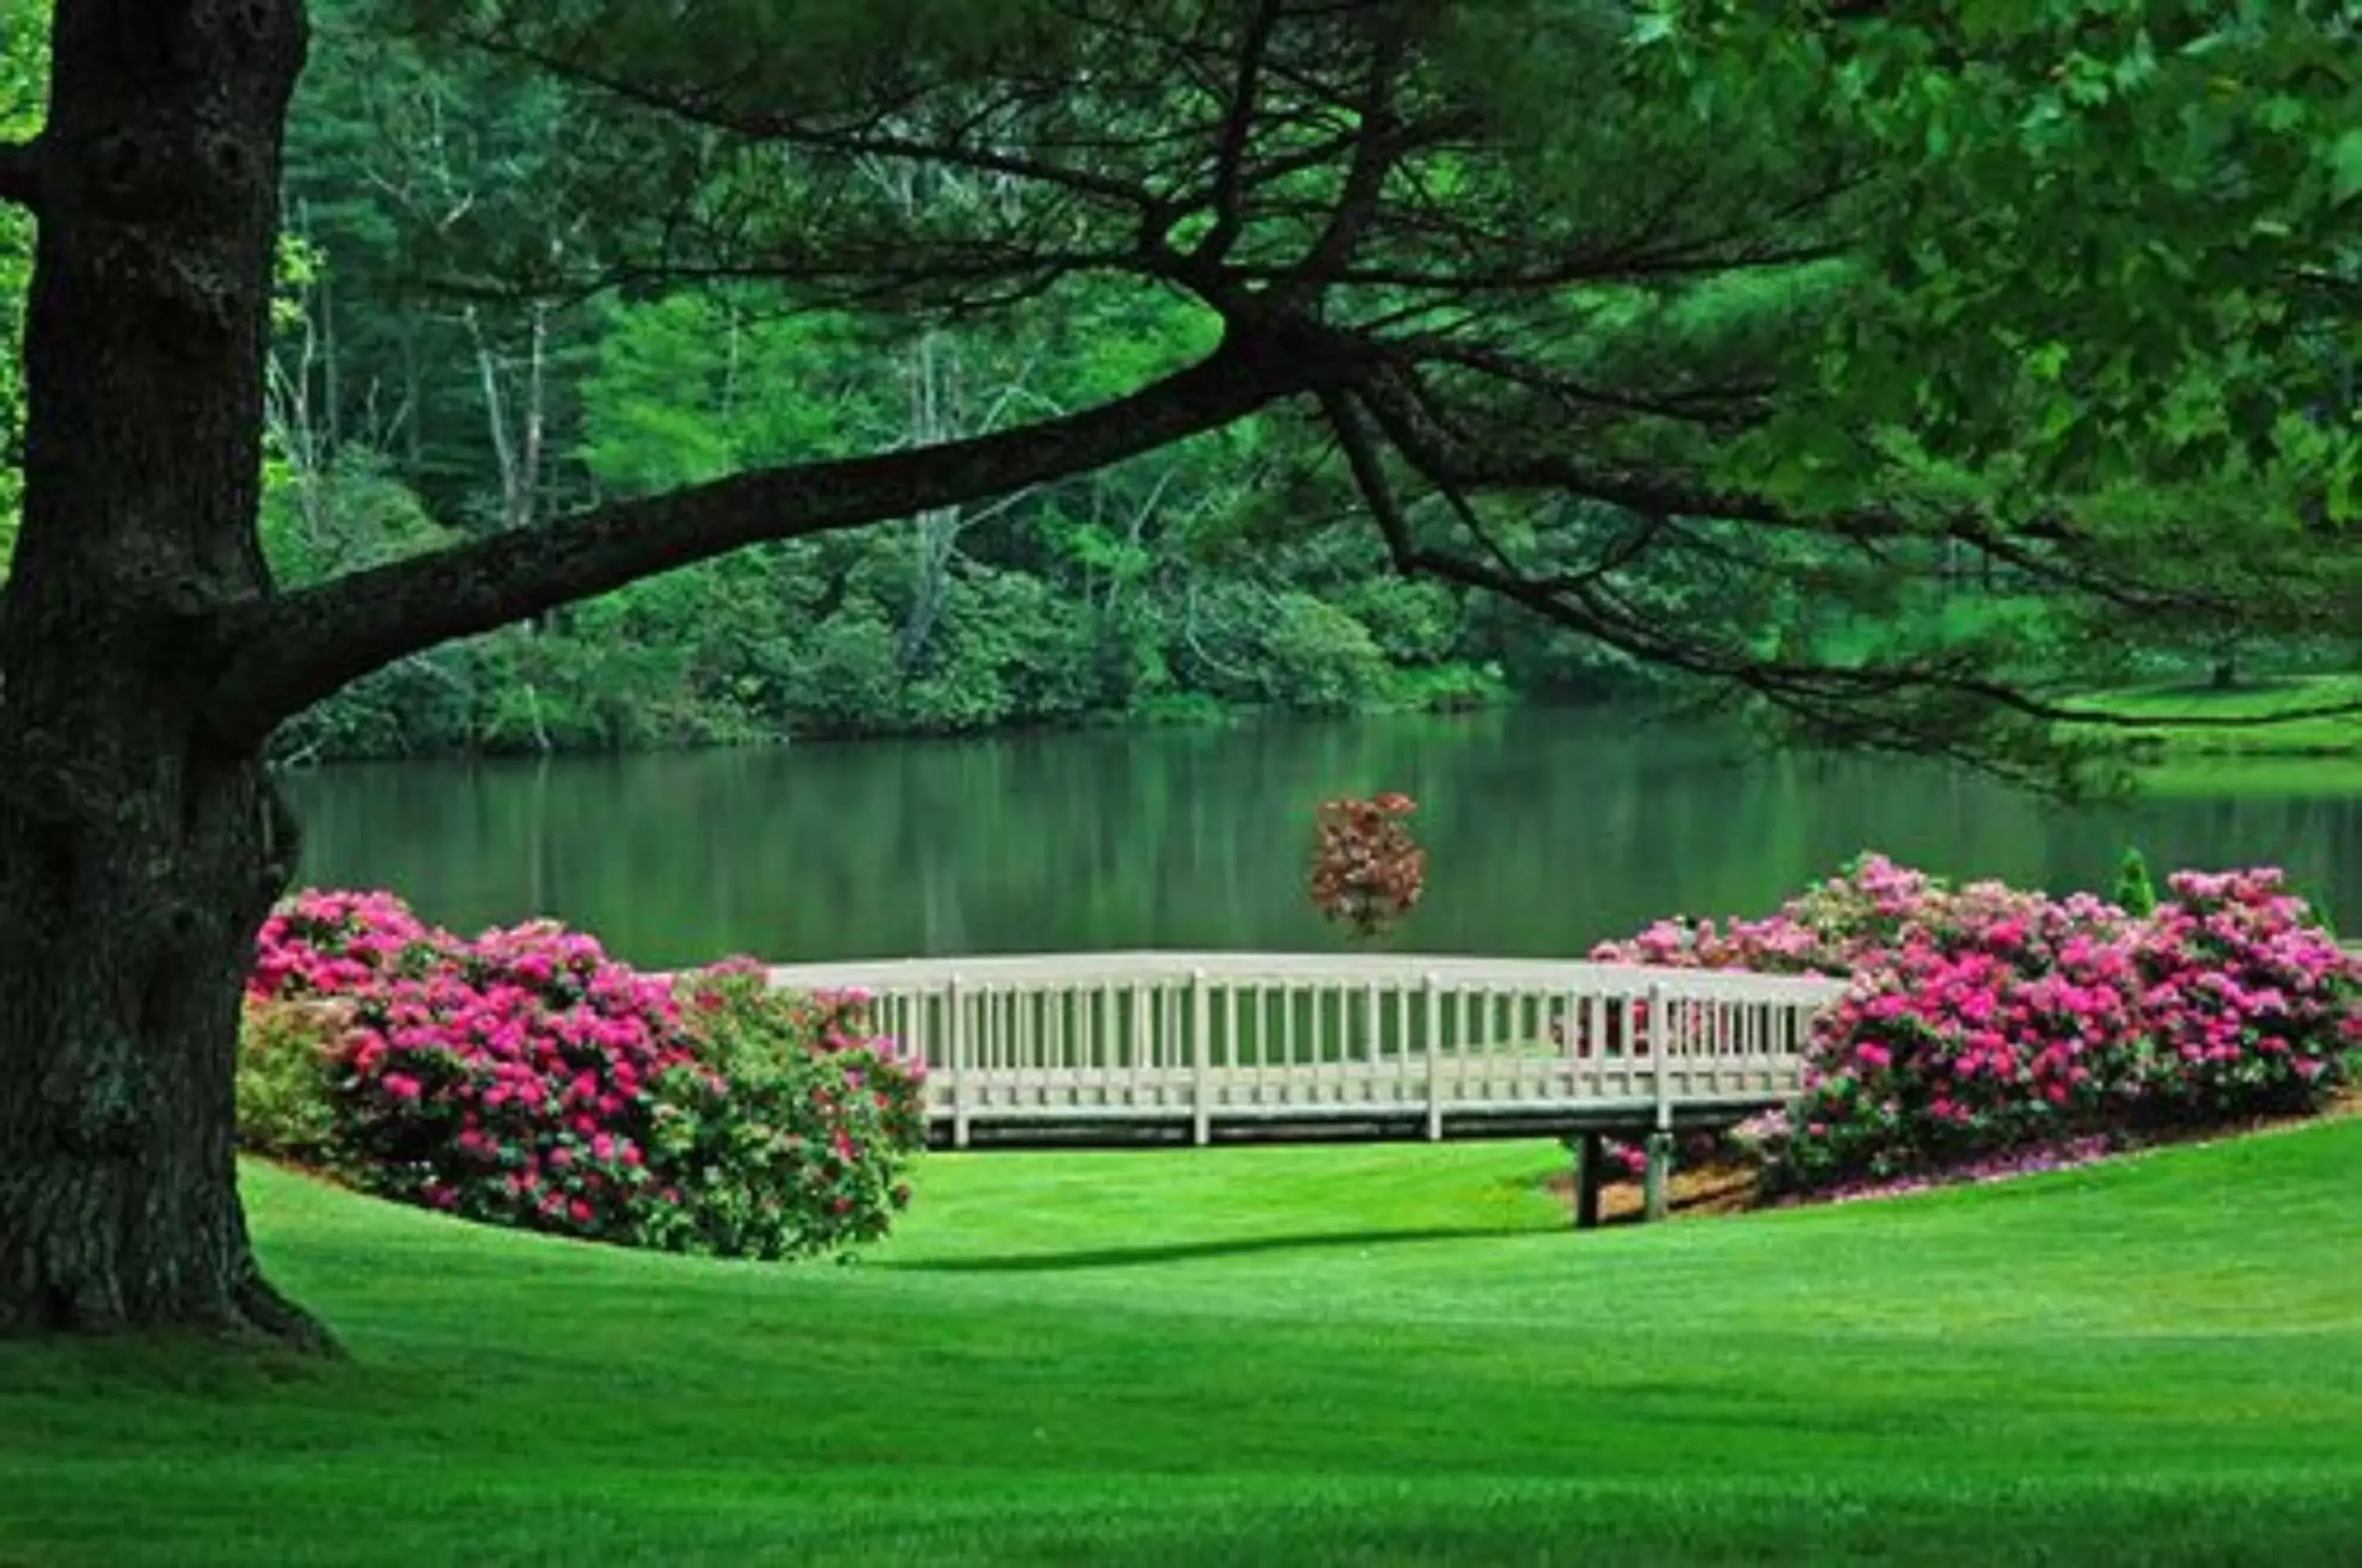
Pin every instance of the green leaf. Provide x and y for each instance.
(2047, 363)
(2280, 111)
(2346, 168)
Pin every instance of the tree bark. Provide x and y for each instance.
(137, 854)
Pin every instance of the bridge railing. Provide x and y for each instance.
(1202, 1042)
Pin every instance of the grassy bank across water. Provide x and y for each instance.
(2166, 715)
(1277, 1357)
(2317, 757)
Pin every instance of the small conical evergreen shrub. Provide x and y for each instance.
(2136, 894)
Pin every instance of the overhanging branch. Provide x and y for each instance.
(1902, 706)
(20, 172)
(2047, 548)
(284, 653)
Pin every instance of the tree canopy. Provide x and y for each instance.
(1686, 327)
(1675, 327)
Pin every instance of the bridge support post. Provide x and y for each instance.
(1658, 1177)
(1590, 1176)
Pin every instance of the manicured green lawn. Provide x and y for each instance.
(1284, 1357)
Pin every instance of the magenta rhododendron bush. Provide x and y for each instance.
(1984, 1019)
(526, 1078)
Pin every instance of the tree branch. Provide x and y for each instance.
(20, 172)
(1721, 403)
(1238, 126)
(282, 655)
(1374, 154)
(1876, 705)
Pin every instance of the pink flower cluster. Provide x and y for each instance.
(801, 1151)
(326, 943)
(1987, 1019)
(510, 1078)
(526, 1078)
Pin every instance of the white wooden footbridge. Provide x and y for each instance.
(1130, 1049)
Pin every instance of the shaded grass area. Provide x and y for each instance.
(1269, 1356)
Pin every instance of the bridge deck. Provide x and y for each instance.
(1147, 1048)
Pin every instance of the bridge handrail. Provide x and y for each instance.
(1234, 1043)
(906, 976)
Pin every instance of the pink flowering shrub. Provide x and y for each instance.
(527, 1079)
(790, 1126)
(2253, 1003)
(1985, 1020)
(1829, 929)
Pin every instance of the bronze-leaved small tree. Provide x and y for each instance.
(1367, 870)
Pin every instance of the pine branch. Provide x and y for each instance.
(1911, 706)
(1238, 130)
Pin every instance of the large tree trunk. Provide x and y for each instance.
(138, 853)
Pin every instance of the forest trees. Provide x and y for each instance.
(1626, 315)
(1100, 595)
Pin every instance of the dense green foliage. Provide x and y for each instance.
(2114, 318)
(1949, 178)
(407, 414)
(2136, 891)
(793, 1138)
(1287, 1356)
(287, 1071)
(533, 276)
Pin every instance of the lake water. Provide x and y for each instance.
(1546, 831)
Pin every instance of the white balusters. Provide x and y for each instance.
(1660, 1032)
(1393, 1047)
(955, 1025)
(1201, 1125)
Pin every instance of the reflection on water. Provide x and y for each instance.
(1546, 831)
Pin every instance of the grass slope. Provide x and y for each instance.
(2180, 750)
(1281, 1356)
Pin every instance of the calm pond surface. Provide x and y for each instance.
(1546, 831)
